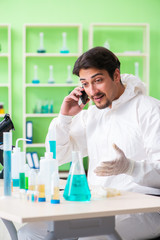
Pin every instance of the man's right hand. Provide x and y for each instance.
(70, 106)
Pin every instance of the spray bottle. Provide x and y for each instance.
(17, 163)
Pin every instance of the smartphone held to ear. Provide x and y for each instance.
(84, 97)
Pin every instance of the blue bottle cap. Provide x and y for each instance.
(41, 199)
(55, 201)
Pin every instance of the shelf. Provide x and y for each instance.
(129, 41)
(41, 115)
(4, 85)
(34, 145)
(51, 85)
(51, 54)
(4, 55)
(131, 54)
(32, 93)
(5, 72)
(119, 24)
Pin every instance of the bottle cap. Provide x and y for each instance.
(41, 199)
(55, 201)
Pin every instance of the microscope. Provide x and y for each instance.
(5, 126)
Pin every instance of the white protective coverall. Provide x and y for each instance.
(133, 124)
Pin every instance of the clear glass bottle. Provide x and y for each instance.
(76, 188)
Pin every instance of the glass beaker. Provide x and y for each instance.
(76, 188)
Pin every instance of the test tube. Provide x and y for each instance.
(41, 186)
(26, 171)
(32, 180)
(55, 198)
(7, 147)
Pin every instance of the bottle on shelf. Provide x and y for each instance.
(41, 48)
(51, 78)
(35, 79)
(107, 45)
(69, 78)
(2, 108)
(136, 65)
(64, 43)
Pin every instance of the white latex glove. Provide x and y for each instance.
(117, 166)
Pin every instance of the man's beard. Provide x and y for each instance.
(105, 105)
(101, 106)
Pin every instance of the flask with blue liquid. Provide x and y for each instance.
(77, 188)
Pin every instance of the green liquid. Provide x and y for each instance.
(22, 180)
(26, 183)
(77, 188)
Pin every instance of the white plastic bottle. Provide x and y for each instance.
(17, 156)
(48, 165)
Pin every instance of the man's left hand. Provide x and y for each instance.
(117, 166)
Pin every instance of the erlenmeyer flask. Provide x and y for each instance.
(76, 188)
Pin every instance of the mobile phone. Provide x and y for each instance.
(84, 97)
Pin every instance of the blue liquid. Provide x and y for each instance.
(53, 148)
(77, 188)
(7, 172)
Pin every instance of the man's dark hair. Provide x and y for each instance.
(98, 57)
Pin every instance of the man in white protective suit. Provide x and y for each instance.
(120, 134)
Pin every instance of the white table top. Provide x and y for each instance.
(21, 211)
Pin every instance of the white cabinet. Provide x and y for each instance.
(53, 55)
(129, 42)
(5, 67)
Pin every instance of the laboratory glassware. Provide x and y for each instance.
(69, 78)
(41, 48)
(7, 148)
(51, 79)
(77, 188)
(55, 196)
(64, 43)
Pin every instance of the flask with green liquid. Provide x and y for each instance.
(76, 188)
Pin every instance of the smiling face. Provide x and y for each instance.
(100, 87)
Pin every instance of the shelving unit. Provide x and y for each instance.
(5, 67)
(60, 61)
(129, 42)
